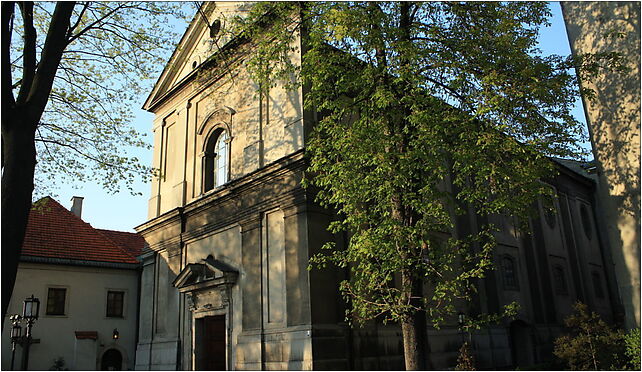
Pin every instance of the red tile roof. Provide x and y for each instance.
(55, 232)
(131, 242)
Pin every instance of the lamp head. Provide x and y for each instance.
(461, 318)
(16, 331)
(31, 308)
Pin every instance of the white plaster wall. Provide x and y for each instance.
(85, 311)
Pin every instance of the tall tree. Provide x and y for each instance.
(70, 75)
(427, 110)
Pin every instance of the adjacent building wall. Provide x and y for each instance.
(85, 310)
(613, 118)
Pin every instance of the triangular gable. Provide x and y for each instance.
(207, 274)
(195, 47)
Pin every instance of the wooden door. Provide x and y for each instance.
(210, 343)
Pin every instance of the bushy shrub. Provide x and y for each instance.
(591, 343)
(466, 359)
(632, 342)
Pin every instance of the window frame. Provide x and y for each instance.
(65, 299)
(560, 281)
(512, 283)
(211, 163)
(122, 303)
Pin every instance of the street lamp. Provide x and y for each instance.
(16, 335)
(30, 310)
(461, 319)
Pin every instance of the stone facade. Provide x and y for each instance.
(225, 282)
(85, 311)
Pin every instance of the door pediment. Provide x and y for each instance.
(209, 273)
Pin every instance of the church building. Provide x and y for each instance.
(225, 281)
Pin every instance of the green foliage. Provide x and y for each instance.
(112, 51)
(427, 111)
(465, 360)
(591, 343)
(632, 342)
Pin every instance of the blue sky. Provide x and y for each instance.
(123, 211)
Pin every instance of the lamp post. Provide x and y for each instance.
(16, 335)
(30, 310)
(461, 319)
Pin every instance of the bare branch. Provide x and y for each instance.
(95, 23)
(80, 15)
(8, 100)
(50, 57)
(29, 51)
(78, 151)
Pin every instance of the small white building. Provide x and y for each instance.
(87, 282)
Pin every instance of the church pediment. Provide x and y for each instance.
(207, 33)
(209, 273)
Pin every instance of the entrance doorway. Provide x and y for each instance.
(521, 344)
(209, 345)
(112, 360)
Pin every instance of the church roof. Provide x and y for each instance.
(55, 232)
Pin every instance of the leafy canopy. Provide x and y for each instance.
(113, 50)
(426, 111)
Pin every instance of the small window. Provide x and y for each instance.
(597, 284)
(115, 301)
(56, 301)
(509, 273)
(216, 161)
(559, 280)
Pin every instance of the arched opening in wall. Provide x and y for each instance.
(216, 160)
(521, 344)
(112, 360)
(509, 273)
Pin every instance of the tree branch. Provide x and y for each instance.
(55, 43)
(88, 156)
(29, 51)
(94, 23)
(8, 100)
(78, 20)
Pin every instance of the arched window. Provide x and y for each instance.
(586, 221)
(559, 279)
(216, 160)
(597, 284)
(509, 273)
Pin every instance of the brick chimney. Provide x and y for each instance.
(76, 208)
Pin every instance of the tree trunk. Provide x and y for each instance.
(413, 327)
(19, 156)
(20, 118)
(411, 353)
